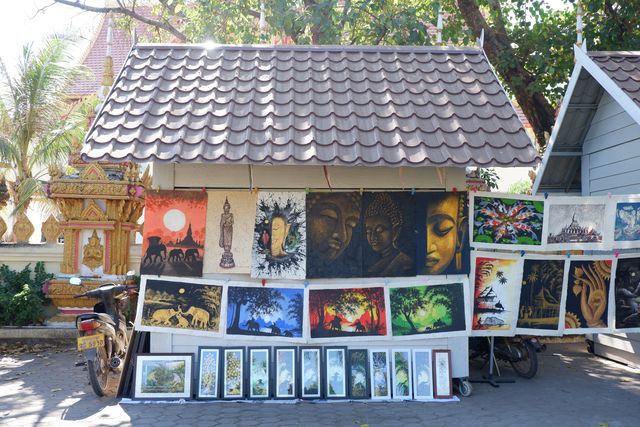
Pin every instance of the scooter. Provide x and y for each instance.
(102, 335)
(520, 352)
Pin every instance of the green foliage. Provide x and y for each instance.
(21, 296)
(489, 176)
(522, 186)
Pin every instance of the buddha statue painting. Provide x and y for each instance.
(279, 232)
(226, 235)
(93, 252)
(446, 229)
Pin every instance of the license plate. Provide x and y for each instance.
(90, 341)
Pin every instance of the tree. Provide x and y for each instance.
(406, 302)
(37, 126)
(295, 310)
(522, 186)
(258, 301)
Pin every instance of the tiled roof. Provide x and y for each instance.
(623, 68)
(321, 105)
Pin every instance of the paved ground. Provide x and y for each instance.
(42, 386)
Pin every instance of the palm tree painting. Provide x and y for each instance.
(541, 294)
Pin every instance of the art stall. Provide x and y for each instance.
(307, 231)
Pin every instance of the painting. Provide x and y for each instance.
(496, 295)
(627, 294)
(626, 232)
(442, 382)
(259, 372)
(380, 374)
(208, 373)
(230, 222)
(279, 238)
(174, 233)
(310, 372)
(163, 376)
(541, 296)
(587, 296)
(401, 368)
(577, 223)
(507, 222)
(334, 235)
(233, 368)
(335, 372)
(189, 306)
(285, 372)
(347, 312)
(422, 374)
(436, 309)
(389, 245)
(267, 311)
(359, 374)
(442, 233)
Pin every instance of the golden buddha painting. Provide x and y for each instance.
(279, 238)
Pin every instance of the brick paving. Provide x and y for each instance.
(43, 386)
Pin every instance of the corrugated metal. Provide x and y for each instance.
(322, 105)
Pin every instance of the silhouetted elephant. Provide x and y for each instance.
(439, 324)
(335, 324)
(288, 334)
(191, 255)
(176, 255)
(359, 326)
(275, 330)
(156, 250)
(252, 325)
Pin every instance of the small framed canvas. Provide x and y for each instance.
(442, 387)
(163, 376)
(310, 359)
(379, 368)
(401, 370)
(422, 374)
(335, 378)
(208, 385)
(285, 372)
(259, 367)
(359, 374)
(233, 373)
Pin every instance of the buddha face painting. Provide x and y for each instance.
(279, 231)
(445, 232)
(380, 233)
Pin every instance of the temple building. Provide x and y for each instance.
(575, 233)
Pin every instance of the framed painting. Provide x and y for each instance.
(334, 235)
(541, 296)
(626, 294)
(359, 383)
(497, 281)
(442, 381)
(582, 223)
(208, 385)
(335, 378)
(233, 373)
(437, 309)
(586, 304)
(285, 372)
(506, 221)
(344, 314)
(389, 240)
(422, 374)
(626, 229)
(310, 361)
(174, 233)
(185, 306)
(401, 370)
(273, 312)
(230, 221)
(163, 376)
(279, 238)
(442, 233)
(379, 368)
(259, 367)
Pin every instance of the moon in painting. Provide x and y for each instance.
(174, 220)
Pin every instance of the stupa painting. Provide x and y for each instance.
(575, 233)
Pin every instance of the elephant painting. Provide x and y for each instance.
(156, 251)
(176, 255)
(199, 317)
(191, 255)
(164, 315)
(252, 325)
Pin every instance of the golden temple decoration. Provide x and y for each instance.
(51, 229)
(22, 229)
(3, 228)
(93, 252)
(93, 212)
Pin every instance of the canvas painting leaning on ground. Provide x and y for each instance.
(163, 376)
(627, 294)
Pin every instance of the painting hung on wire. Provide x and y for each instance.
(587, 297)
(627, 294)
(496, 293)
(506, 222)
(347, 313)
(390, 241)
(179, 305)
(267, 312)
(174, 233)
(577, 223)
(279, 238)
(442, 233)
(434, 309)
(626, 232)
(540, 312)
(334, 235)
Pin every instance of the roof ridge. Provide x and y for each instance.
(614, 53)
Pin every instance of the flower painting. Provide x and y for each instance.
(380, 374)
(358, 374)
(208, 373)
(587, 296)
(233, 373)
(401, 368)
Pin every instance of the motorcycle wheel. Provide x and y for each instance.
(527, 366)
(99, 372)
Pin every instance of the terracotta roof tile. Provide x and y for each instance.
(623, 68)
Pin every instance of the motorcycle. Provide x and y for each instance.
(520, 352)
(102, 334)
